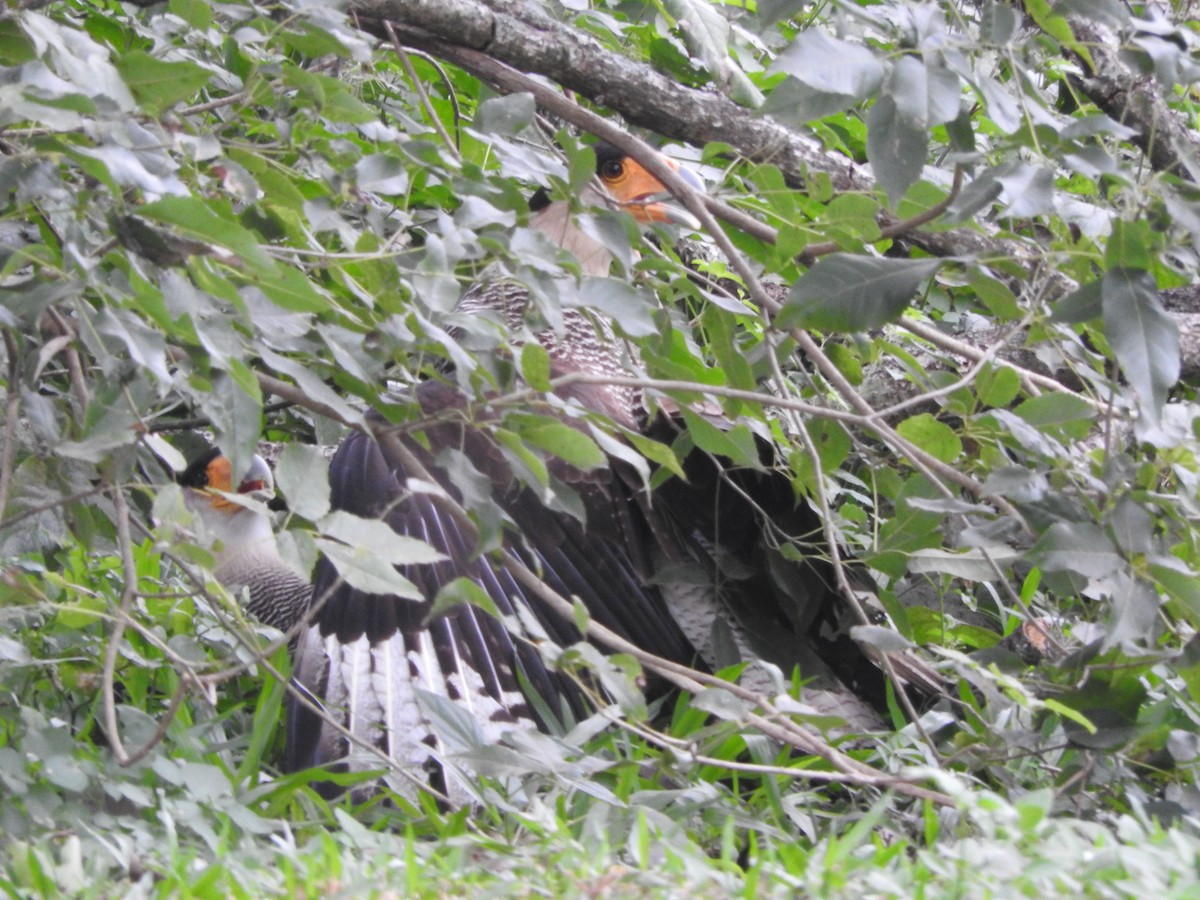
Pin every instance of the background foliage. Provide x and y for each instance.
(199, 198)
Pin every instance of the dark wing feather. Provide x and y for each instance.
(729, 521)
(367, 656)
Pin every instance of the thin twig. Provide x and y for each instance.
(812, 252)
(12, 409)
(674, 745)
(163, 427)
(977, 364)
(847, 592)
(228, 100)
(422, 94)
(121, 619)
(968, 351)
(74, 363)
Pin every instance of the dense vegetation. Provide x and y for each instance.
(961, 309)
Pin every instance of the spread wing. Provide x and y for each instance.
(371, 661)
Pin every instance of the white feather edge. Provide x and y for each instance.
(373, 691)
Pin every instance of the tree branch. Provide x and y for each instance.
(1135, 99)
(525, 38)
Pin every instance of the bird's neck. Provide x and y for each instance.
(557, 223)
(233, 536)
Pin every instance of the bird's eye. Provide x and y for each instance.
(612, 169)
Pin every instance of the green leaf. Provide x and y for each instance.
(853, 214)
(519, 455)
(970, 564)
(144, 345)
(236, 416)
(535, 366)
(931, 626)
(1111, 704)
(509, 114)
(723, 334)
(936, 438)
(831, 66)
(1057, 27)
(706, 33)
(1135, 611)
(15, 48)
(1180, 584)
(302, 474)
(567, 443)
(887, 640)
(329, 96)
(1057, 414)
(616, 298)
(460, 592)
(197, 218)
(771, 11)
(452, 722)
(365, 571)
(722, 703)
(926, 94)
(995, 295)
(158, 85)
(657, 453)
(1081, 305)
(895, 148)
(997, 386)
(911, 528)
(379, 539)
(313, 42)
(736, 444)
(998, 23)
(1082, 547)
(196, 13)
(267, 713)
(1129, 246)
(1028, 189)
(1068, 713)
(291, 289)
(1143, 336)
(312, 385)
(854, 293)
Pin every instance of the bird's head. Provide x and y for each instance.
(634, 189)
(642, 194)
(211, 476)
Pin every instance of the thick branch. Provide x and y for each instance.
(524, 37)
(1135, 99)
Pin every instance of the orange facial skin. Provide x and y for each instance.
(218, 481)
(642, 194)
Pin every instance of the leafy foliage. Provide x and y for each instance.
(207, 204)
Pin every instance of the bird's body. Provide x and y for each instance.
(466, 656)
(246, 557)
(691, 571)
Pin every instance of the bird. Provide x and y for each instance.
(374, 665)
(246, 556)
(375, 671)
(693, 571)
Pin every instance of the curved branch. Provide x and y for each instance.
(1134, 99)
(525, 38)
